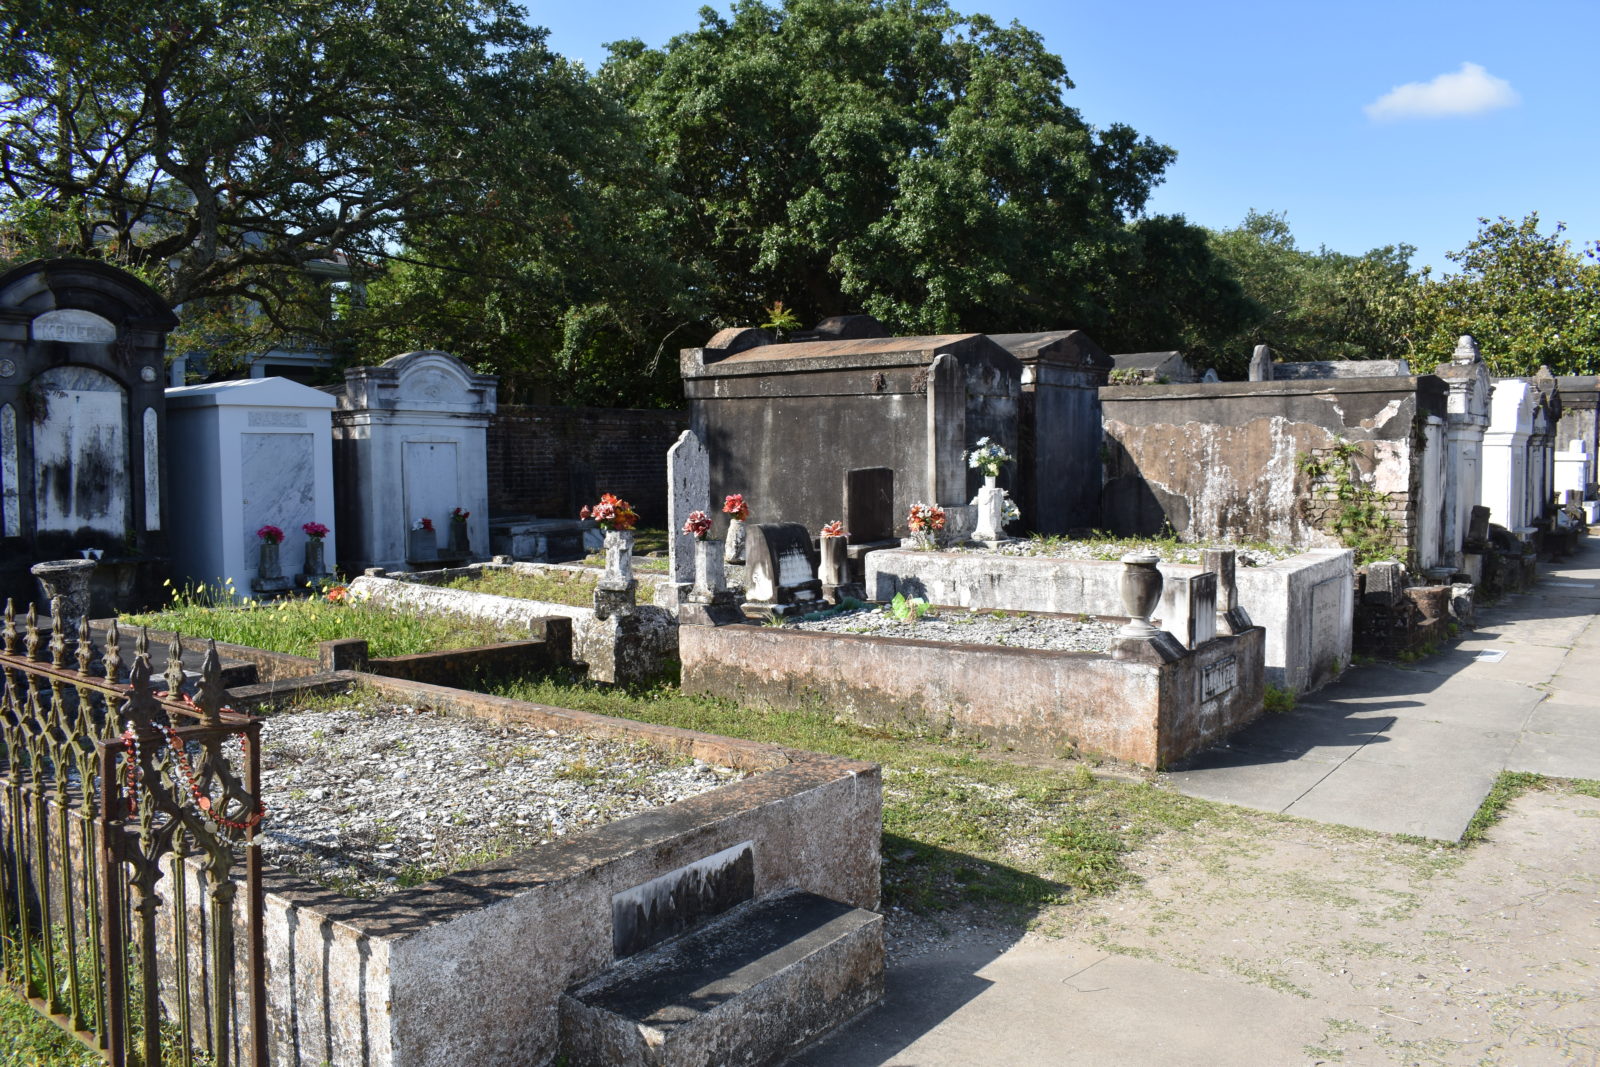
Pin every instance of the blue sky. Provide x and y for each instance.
(1282, 106)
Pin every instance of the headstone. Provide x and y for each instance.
(1386, 583)
(1261, 364)
(688, 490)
(779, 565)
(1211, 377)
(869, 504)
(1478, 526)
(1223, 562)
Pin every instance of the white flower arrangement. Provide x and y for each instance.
(988, 457)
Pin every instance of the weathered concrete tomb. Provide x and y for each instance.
(787, 424)
(83, 427)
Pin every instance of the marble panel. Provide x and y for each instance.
(431, 478)
(10, 472)
(278, 474)
(152, 471)
(80, 452)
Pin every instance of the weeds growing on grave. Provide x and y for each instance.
(297, 625)
(960, 826)
(1278, 699)
(569, 587)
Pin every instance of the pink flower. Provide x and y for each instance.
(314, 530)
(698, 524)
(833, 529)
(270, 534)
(735, 505)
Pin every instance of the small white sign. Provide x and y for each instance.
(1492, 655)
(72, 324)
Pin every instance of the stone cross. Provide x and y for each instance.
(688, 489)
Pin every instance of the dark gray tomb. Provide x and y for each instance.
(82, 428)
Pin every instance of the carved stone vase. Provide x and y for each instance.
(422, 546)
(315, 567)
(269, 577)
(733, 547)
(619, 559)
(1141, 592)
(709, 576)
(69, 580)
(460, 541)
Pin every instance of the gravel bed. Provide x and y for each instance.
(378, 796)
(1254, 556)
(1059, 633)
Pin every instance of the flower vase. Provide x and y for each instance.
(733, 547)
(460, 541)
(268, 566)
(710, 578)
(1141, 592)
(314, 564)
(68, 580)
(619, 559)
(991, 481)
(422, 546)
(835, 564)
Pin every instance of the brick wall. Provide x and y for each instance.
(551, 461)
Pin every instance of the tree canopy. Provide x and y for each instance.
(228, 149)
(896, 158)
(1528, 298)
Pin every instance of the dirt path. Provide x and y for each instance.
(1268, 940)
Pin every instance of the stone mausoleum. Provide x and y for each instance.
(82, 428)
(789, 425)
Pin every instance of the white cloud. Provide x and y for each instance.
(1469, 91)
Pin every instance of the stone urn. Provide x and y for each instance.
(710, 576)
(733, 547)
(1141, 592)
(69, 580)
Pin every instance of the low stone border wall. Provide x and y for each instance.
(468, 968)
(618, 648)
(1144, 709)
(1306, 603)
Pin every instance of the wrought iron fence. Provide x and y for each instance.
(127, 825)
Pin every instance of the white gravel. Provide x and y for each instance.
(1056, 632)
(375, 796)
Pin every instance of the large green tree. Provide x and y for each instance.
(891, 156)
(1528, 298)
(1317, 305)
(229, 150)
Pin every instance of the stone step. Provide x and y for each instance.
(752, 987)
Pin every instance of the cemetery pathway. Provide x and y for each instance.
(1414, 749)
(1256, 939)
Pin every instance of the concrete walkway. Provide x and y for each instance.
(1413, 750)
(1408, 750)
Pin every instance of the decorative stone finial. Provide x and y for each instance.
(1466, 351)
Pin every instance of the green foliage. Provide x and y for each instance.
(1526, 297)
(1278, 699)
(297, 626)
(1321, 305)
(572, 588)
(1507, 787)
(241, 154)
(901, 159)
(1360, 521)
(908, 609)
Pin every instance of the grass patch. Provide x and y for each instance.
(1278, 699)
(573, 588)
(959, 826)
(1507, 787)
(296, 626)
(30, 1040)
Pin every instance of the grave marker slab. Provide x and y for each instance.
(780, 567)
